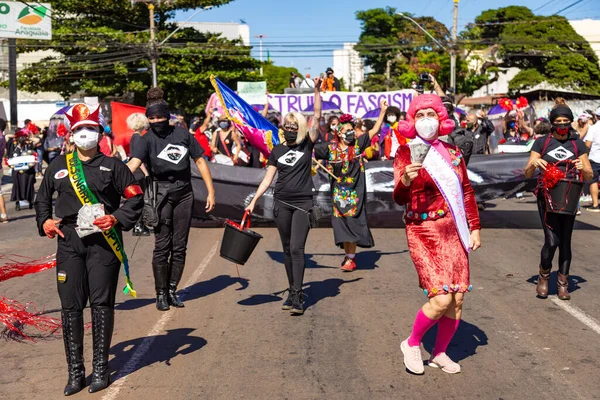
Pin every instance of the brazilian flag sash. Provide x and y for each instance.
(86, 196)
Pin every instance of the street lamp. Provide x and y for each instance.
(449, 51)
(184, 23)
(261, 37)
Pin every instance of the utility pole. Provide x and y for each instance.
(388, 73)
(153, 51)
(12, 79)
(153, 46)
(454, 49)
(260, 37)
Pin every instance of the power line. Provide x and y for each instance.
(544, 5)
(569, 6)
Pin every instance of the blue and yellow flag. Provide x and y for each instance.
(261, 133)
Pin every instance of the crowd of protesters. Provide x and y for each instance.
(223, 143)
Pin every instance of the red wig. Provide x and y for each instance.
(407, 128)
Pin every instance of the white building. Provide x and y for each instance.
(590, 30)
(228, 30)
(348, 65)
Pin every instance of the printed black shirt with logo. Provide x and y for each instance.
(107, 177)
(559, 151)
(168, 158)
(294, 180)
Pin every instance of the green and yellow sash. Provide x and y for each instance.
(86, 196)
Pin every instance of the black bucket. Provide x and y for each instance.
(564, 197)
(238, 243)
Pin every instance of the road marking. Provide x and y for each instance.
(578, 313)
(142, 350)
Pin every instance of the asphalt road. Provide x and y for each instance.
(232, 341)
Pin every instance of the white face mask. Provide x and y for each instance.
(333, 127)
(86, 138)
(427, 128)
(391, 119)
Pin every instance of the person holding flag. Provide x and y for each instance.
(89, 220)
(442, 226)
(294, 190)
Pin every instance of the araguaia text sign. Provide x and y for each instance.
(21, 21)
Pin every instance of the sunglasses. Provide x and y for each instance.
(291, 126)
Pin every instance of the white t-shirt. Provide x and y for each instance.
(593, 136)
(307, 84)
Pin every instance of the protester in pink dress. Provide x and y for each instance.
(442, 226)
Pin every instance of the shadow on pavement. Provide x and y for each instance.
(314, 292)
(574, 282)
(277, 256)
(319, 290)
(164, 348)
(464, 344)
(196, 291)
(366, 260)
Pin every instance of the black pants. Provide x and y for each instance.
(293, 226)
(86, 269)
(171, 237)
(558, 229)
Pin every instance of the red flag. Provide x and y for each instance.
(120, 112)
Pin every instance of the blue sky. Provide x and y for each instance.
(326, 25)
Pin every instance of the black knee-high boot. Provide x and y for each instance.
(72, 322)
(161, 276)
(103, 319)
(176, 274)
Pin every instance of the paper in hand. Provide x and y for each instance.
(418, 150)
(86, 217)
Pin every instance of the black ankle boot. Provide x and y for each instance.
(103, 319)
(72, 322)
(162, 302)
(297, 302)
(287, 304)
(173, 299)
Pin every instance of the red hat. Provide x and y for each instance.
(21, 133)
(82, 114)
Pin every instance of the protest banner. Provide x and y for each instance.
(253, 92)
(355, 103)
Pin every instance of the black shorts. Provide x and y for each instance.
(596, 170)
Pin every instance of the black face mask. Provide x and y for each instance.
(161, 129)
(561, 129)
(290, 136)
(350, 137)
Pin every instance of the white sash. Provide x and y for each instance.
(449, 185)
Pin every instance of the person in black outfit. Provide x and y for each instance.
(294, 192)
(87, 267)
(482, 128)
(166, 151)
(23, 180)
(563, 149)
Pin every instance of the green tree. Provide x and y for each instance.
(103, 50)
(278, 78)
(388, 38)
(545, 48)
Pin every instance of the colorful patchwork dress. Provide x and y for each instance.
(348, 192)
(435, 247)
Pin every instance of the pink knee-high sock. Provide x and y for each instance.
(422, 324)
(446, 329)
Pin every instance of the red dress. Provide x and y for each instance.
(441, 261)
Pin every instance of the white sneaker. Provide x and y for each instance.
(443, 362)
(413, 361)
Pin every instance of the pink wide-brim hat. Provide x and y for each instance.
(407, 128)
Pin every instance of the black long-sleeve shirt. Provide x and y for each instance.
(107, 177)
